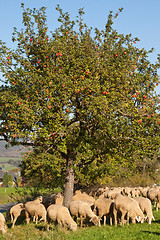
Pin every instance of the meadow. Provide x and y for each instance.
(22, 231)
(5, 193)
(9, 163)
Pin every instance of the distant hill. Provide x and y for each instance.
(14, 152)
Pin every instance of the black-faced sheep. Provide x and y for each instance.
(61, 215)
(82, 209)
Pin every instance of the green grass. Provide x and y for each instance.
(6, 159)
(5, 193)
(138, 231)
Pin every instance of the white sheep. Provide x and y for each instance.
(126, 206)
(3, 226)
(152, 195)
(35, 209)
(15, 212)
(83, 197)
(60, 214)
(146, 207)
(144, 191)
(82, 209)
(103, 207)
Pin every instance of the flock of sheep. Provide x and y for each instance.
(119, 205)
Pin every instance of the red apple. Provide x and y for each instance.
(116, 55)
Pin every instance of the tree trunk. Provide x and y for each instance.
(69, 186)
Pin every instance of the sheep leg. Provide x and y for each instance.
(11, 218)
(81, 221)
(47, 227)
(104, 223)
(127, 219)
(27, 217)
(36, 218)
(158, 205)
(122, 218)
(14, 221)
(115, 216)
(110, 220)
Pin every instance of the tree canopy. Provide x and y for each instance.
(83, 99)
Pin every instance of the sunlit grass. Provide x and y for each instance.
(22, 231)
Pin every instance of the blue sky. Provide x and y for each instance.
(141, 18)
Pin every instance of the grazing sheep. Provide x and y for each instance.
(15, 212)
(111, 193)
(60, 214)
(158, 199)
(126, 205)
(82, 209)
(103, 208)
(35, 209)
(152, 195)
(144, 191)
(59, 200)
(127, 191)
(146, 207)
(3, 226)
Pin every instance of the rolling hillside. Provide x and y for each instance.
(14, 152)
(10, 158)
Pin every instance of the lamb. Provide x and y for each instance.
(35, 209)
(103, 207)
(61, 214)
(126, 205)
(3, 226)
(82, 209)
(146, 207)
(15, 212)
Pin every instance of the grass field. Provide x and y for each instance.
(138, 231)
(5, 193)
(6, 159)
(22, 231)
(9, 163)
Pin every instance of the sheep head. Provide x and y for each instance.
(95, 220)
(73, 227)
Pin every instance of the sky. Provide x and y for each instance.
(141, 18)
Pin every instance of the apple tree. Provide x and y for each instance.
(85, 102)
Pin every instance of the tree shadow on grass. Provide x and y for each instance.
(156, 221)
(149, 232)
